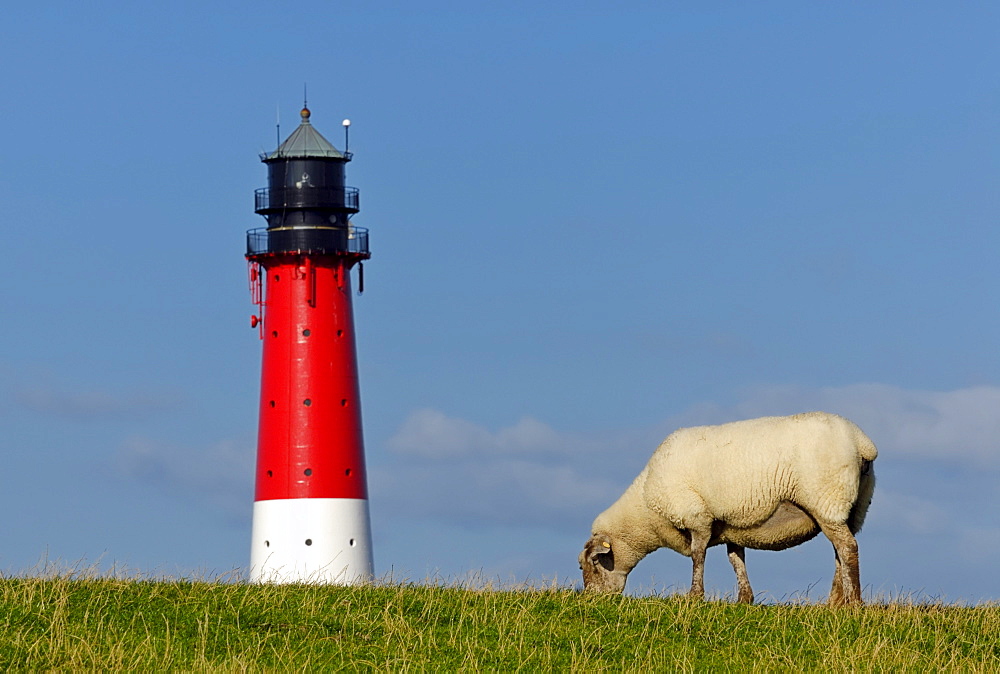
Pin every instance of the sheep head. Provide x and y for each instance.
(597, 561)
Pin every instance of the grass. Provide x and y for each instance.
(70, 623)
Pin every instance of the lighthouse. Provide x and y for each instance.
(310, 513)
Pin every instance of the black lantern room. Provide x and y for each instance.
(306, 205)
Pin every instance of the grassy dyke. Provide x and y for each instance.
(70, 623)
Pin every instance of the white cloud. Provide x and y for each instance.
(429, 433)
(527, 473)
(434, 435)
(484, 494)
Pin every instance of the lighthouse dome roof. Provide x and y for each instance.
(306, 141)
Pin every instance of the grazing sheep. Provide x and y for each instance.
(766, 484)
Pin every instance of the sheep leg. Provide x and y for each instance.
(848, 574)
(837, 590)
(737, 557)
(699, 544)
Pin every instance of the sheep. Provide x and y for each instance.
(766, 484)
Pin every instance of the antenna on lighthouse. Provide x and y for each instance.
(277, 122)
(347, 137)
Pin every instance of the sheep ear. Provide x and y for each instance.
(598, 545)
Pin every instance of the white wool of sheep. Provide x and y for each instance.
(767, 483)
(738, 471)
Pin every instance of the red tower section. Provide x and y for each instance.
(310, 398)
(310, 519)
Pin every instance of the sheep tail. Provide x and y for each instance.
(866, 448)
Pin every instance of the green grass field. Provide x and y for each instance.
(69, 623)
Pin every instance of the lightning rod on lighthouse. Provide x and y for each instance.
(310, 514)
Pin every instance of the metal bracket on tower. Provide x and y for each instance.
(310, 276)
(256, 278)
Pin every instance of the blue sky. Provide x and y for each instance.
(590, 226)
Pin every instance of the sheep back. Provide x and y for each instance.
(739, 473)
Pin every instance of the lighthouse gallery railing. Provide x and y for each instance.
(349, 240)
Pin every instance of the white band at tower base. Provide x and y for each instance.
(311, 540)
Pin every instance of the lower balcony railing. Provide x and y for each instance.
(348, 240)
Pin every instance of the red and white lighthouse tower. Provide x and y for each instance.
(310, 515)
